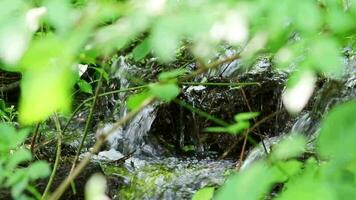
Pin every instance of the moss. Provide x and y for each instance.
(143, 182)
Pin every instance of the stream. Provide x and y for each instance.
(164, 153)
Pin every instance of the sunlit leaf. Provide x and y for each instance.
(171, 74)
(85, 86)
(60, 14)
(204, 194)
(165, 92)
(238, 127)
(136, 100)
(329, 50)
(38, 169)
(141, 50)
(245, 116)
(291, 146)
(243, 185)
(337, 134)
(95, 188)
(47, 80)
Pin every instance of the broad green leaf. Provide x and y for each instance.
(164, 76)
(307, 10)
(250, 184)
(141, 50)
(326, 57)
(337, 135)
(238, 127)
(215, 129)
(10, 138)
(38, 169)
(291, 146)
(60, 15)
(84, 86)
(18, 188)
(165, 92)
(307, 185)
(204, 194)
(47, 81)
(164, 40)
(245, 116)
(45, 92)
(136, 100)
(18, 157)
(95, 188)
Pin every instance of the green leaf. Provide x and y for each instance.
(326, 57)
(311, 185)
(95, 188)
(165, 92)
(18, 188)
(18, 157)
(38, 169)
(238, 127)
(60, 14)
(243, 185)
(47, 81)
(245, 116)
(164, 40)
(291, 146)
(204, 194)
(10, 139)
(136, 100)
(141, 50)
(215, 129)
(307, 10)
(337, 134)
(164, 76)
(84, 86)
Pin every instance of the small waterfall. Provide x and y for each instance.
(131, 137)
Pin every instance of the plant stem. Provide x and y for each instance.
(89, 119)
(220, 84)
(92, 98)
(34, 137)
(58, 156)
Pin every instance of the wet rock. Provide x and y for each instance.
(166, 178)
(178, 127)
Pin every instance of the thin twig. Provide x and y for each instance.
(242, 153)
(257, 124)
(88, 122)
(58, 156)
(34, 137)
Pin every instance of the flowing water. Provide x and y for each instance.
(149, 174)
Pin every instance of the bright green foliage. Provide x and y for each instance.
(7, 114)
(290, 147)
(165, 92)
(244, 185)
(204, 194)
(84, 86)
(332, 179)
(90, 29)
(12, 154)
(136, 100)
(165, 76)
(95, 188)
(141, 50)
(242, 123)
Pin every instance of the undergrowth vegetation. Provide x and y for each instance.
(51, 43)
